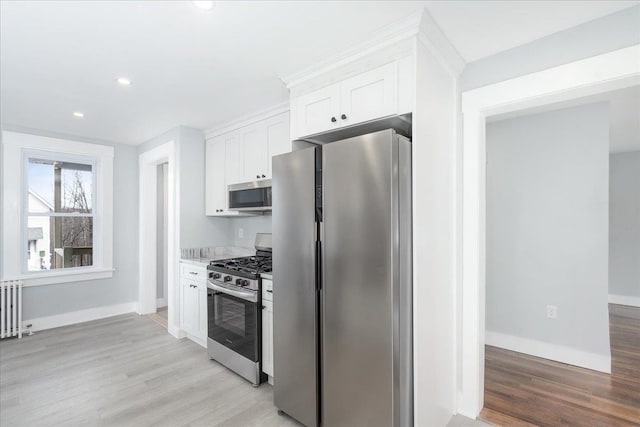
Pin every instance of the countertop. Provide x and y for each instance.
(201, 262)
(268, 276)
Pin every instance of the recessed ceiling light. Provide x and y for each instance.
(204, 5)
(124, 81)
(78, 114)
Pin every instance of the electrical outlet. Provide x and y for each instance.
(240, 233)
(552, 311)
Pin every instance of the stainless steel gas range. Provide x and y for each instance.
(234, 305)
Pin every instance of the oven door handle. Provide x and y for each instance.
(244, 295)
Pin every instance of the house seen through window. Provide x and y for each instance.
(60, 214)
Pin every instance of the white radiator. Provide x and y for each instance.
(11, 309)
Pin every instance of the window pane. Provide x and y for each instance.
(59, 242)
(56, 186)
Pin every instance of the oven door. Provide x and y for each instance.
(233, 320)
(250, 196)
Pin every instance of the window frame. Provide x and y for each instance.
(15, 147)
(28, 154)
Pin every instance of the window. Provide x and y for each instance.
(59, 197)
(57, 213)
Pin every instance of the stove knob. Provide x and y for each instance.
(216, 275)
(239, 282)
(245, 283)
(227, 278)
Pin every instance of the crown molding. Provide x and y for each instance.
(247, 119)
(431, 35)
(387, 36)
(420, 25)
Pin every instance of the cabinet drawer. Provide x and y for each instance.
(193, 272)
(267, 290)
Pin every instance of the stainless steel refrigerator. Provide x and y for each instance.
(342, 301)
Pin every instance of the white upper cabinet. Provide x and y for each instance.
(318, 111)
(376, 93)
(255, 151)
(242, 155)
(369, 95)
(215, 186)
(278, 141)
(233, 165)
(224, 166)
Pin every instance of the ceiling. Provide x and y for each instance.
(203, 68)
(624, 116)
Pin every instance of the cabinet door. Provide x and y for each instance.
(215, 188)
(317, 111)
(233, 167)
(369, 95)
(267, 337)
(189, 307)
(255, 152)
(278, 140)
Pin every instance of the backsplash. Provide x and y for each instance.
(216, 252)
(250, 226)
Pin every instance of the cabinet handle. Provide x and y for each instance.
(192, 286)
(270, 291)
(343, 117)
(264, 306)
(333, 120)
(193, 272)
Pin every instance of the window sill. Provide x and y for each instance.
(51, 278)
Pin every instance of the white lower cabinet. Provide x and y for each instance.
(193, 304)
(267, 328)
(267, 337)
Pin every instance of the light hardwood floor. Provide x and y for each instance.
(123, 371)
(523, 390)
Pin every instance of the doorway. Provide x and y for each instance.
(611, 71)
(563, 222)
(159, 236)
(162, 276)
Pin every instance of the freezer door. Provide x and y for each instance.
(295, 305)
(361, 365)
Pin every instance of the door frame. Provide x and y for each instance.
(147, 219)
(598, 74)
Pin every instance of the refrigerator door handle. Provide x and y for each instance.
(318, 265)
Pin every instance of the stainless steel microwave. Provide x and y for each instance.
(250, 196)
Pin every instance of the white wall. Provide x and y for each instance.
(547, 234)
(602, 35)
(196, 229)
(624, 227)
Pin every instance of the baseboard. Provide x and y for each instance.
(161, 302)
(73, 317)
(556, 352)
(175, 331)
(196, 340)
(624, 300)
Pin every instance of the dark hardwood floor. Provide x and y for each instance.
(523, 390)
